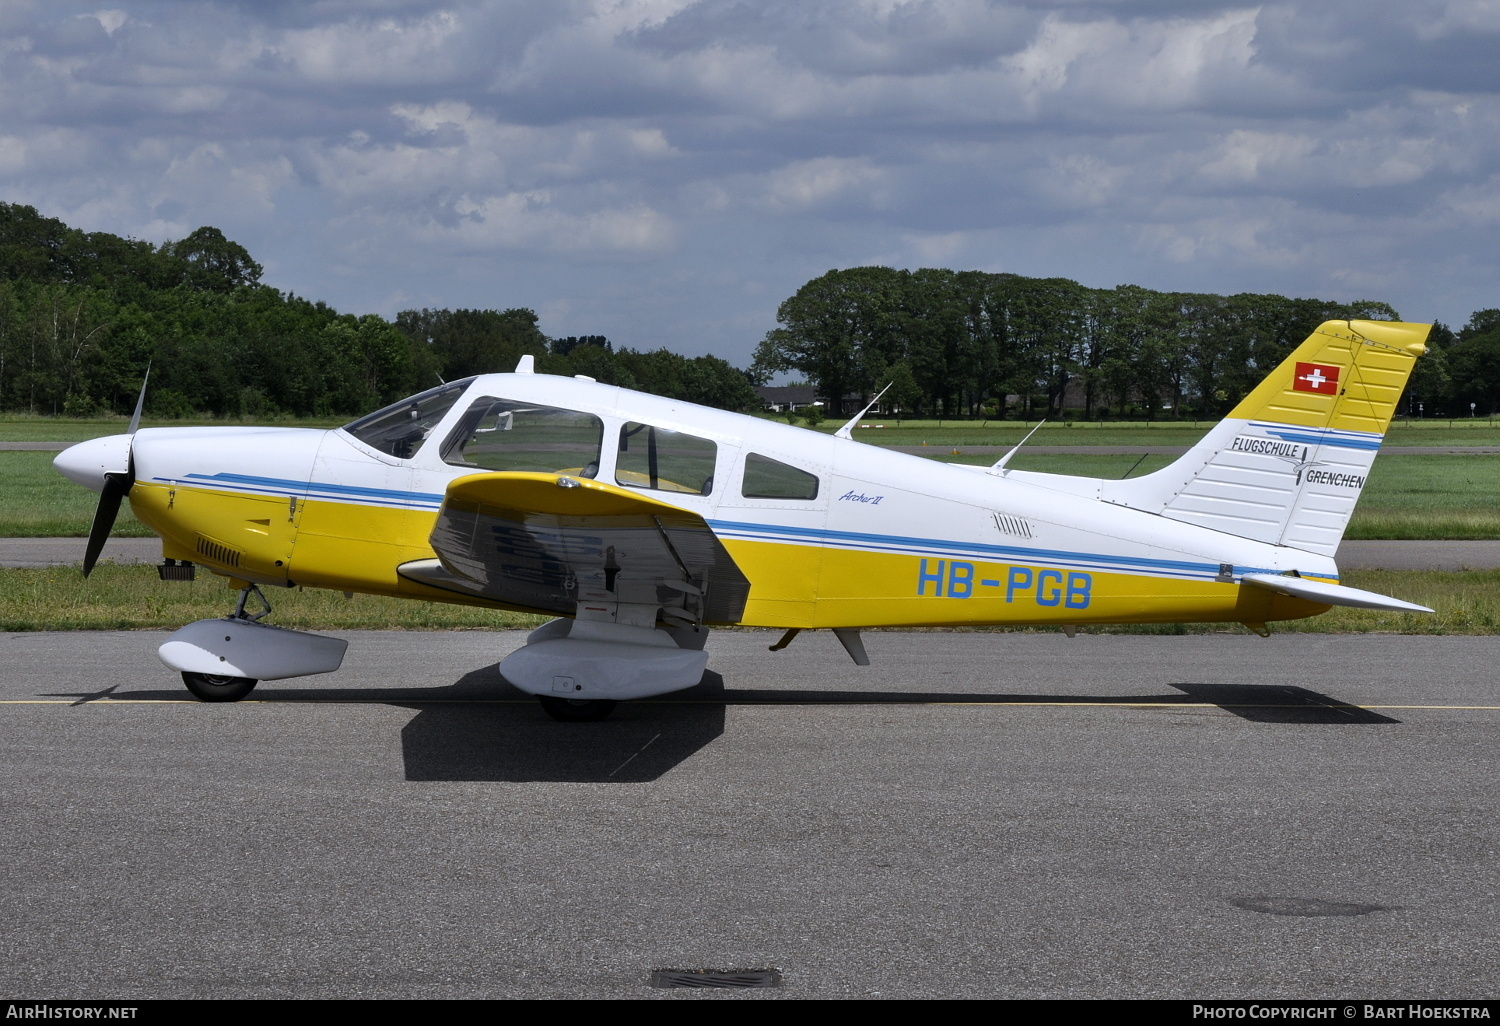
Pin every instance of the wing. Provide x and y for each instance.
(551, 541)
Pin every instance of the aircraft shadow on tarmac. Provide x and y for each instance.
(643, 740)
(518, 742)
(479, 728)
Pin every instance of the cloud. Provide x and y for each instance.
(665, 171)
(822, 182)
(1479, 201)
(1461, 16)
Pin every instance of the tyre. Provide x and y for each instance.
(572, 710)
(210, 687)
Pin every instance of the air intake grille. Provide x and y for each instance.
(216, 552)
(1012, 525)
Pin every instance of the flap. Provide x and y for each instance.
(544, 541)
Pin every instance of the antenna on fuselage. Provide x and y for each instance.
(527, 365)
(999, 467)
(843, 432)
(140, 403)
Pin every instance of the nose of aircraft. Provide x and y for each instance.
(87, 462)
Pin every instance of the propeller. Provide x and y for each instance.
(116, 487)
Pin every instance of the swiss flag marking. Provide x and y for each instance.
(1316, 377)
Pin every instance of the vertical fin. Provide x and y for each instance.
(1289, 462)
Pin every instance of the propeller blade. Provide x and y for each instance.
(116, 487)
(140, 402)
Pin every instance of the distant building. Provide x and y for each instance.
(780, 398)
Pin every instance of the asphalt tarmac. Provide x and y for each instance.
(974, 815)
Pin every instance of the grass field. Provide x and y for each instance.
(119, 597)
(38, 502)
(21, 428)
(131, 598)
(1408, 497)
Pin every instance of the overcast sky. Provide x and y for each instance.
(666, 172)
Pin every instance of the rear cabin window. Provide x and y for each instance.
(766, 478)
(506, 435)
(400, 429)
(667, 461)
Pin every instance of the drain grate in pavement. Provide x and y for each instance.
(733, 978)
(1309, 907)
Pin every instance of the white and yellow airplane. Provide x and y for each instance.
(641, 522)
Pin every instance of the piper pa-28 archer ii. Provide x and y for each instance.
(641, 522)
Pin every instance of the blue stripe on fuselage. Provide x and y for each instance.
(778, 533)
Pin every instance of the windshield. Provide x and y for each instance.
(400, 429)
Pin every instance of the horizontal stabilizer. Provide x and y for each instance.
(1332, 594)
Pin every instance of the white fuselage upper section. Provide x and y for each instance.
(868, 498)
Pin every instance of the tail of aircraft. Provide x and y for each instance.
(1289, 462)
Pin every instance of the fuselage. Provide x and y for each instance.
(829, 531)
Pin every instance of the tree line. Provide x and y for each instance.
(958, 343)
(83, 313)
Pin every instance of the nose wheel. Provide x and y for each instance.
(573, 710)
(209, 687)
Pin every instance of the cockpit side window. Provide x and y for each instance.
(666, 461)
(766, 478)
(400, 429)
(505, 434)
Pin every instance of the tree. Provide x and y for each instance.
(1431, 382)
(564, 346)
(469, 342)
(904, 394)
(710, 381)
(213, 262)
(30, 244)
(1474, 363)
(834, 329)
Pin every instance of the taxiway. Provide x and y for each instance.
(974, 815)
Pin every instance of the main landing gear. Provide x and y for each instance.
(580, 669)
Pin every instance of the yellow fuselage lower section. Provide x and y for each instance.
(346, 546)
